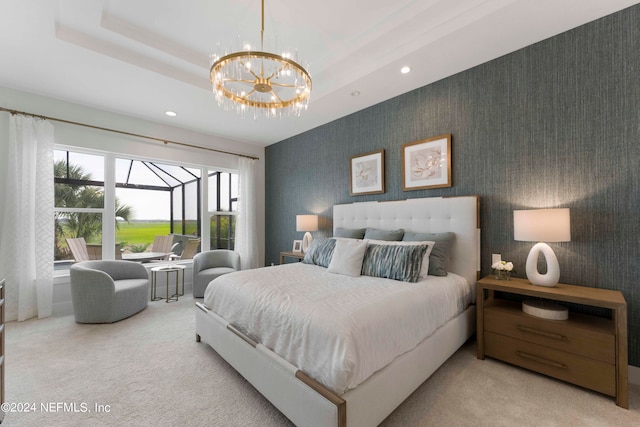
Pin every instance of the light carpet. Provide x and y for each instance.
(149, 371)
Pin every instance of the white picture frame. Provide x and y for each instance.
(297, 246)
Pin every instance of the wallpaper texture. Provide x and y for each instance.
(555, 124)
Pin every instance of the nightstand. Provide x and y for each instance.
(298, 255)
(585, 350)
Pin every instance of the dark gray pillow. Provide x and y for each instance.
(388, 235)
(320, 252)
(350, 233)
(397, 262)
(441, 252)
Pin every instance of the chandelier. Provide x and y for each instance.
(264, 83)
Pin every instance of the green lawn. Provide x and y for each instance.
(141, 232)
(138, 233)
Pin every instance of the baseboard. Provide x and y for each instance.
(64, 308)
(634, 375)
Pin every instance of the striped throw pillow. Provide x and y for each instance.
(320, 252)
(395, 262)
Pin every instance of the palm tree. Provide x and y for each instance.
(67, 195)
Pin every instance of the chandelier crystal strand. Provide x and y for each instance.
(262, 83)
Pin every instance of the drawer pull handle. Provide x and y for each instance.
(541, 360)
(543, 333)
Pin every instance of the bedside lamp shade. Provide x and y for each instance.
(542, 225)
(306, 223)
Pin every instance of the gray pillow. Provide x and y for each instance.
(388, 235)
(320, 252)
(440, 254)
(350, 233)
(394, 261)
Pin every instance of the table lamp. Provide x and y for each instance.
(306, 223)
(542, 225)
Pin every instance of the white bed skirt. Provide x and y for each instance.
(367, 405)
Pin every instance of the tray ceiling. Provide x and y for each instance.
(141, 58)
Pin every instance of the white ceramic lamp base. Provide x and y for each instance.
(550, 279)
(306, 241)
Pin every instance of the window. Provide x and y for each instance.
(223, 207)
(79, 201)
(151, 199)
(160, 199)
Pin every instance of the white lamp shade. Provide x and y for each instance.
(306, 222)
(542, 225)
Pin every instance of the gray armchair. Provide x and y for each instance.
(108, 291)
(211, 264)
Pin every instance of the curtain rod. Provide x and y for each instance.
(165, 141)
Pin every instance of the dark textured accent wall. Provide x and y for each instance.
(555, 124)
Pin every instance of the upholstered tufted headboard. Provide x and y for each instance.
(429, 215)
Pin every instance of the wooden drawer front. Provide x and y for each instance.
(588, 373)
(558, 334)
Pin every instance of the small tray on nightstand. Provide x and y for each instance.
(545, 309)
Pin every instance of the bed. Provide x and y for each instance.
(312, 395)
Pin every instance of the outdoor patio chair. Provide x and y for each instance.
(78, 248)
(190, 249)
(162, 244)
(211, 264)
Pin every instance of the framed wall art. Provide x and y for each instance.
(367, 173)
(427, 163)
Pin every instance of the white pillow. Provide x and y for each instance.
(347, 257)
(424, 269)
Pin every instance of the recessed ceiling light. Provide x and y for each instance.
(405, 70)
(355, 93)
(171, 113)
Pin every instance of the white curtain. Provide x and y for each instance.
(247, 222)
(26, 229)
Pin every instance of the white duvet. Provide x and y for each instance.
(337, 329)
